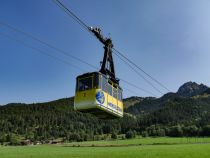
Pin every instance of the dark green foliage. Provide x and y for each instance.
(155, 130)
(171, 115)
(2, 138)
(175, 131)
(114, 135)
(130, 134)
(207, 91)
(206, 131)
(144, 134)
(57, 119)
(191, 131)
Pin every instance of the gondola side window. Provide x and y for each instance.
(119, 94)
(96, 82)
(85, 84)
(114, 92)
(109, 89)
(104, 84)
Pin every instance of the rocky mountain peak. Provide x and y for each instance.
(191, 89)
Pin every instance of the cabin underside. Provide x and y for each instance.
(100, 113)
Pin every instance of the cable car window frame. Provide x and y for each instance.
(104, 84)
(114, 92)
(84, 78)
(110, 88)
(96, 81)
(120, 94)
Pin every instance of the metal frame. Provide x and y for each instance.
(107, 67)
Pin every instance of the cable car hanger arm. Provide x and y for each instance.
(107, 67)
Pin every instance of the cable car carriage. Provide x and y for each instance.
(99, 93)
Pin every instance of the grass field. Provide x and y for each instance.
(181, 148)
(143, 141)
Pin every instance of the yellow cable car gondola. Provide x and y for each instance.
(99, 93)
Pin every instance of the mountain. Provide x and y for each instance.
(187, 111)
(190, 89)
(149, 104)
(190, 103)
(129, 102)
(206, 91)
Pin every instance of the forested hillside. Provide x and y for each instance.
(171, 115)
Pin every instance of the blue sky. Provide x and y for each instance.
(169, 39)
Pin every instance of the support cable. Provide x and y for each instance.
(85, 26)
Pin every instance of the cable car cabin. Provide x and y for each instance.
(97, 95)
(99, 92)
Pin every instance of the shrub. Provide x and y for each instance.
(130, 134)
(206, 131)
(114, 135)
(175, 131)
(144, 134)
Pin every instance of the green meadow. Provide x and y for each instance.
(143, 141)
(134, 148)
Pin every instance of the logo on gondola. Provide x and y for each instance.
(100, 97)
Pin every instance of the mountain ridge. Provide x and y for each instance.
(190, 89)
(162, 116)
(187, 90)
